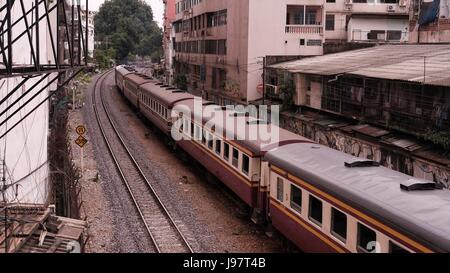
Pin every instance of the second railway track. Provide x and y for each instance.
(159, 224)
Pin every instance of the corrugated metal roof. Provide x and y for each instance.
(395, 62)
(370, 130)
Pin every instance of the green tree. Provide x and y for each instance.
(127, 26)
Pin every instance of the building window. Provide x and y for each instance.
(339, 224)
(192, 129)
(222, 47)
(314, 42)
(245, 164)
(204, 137)
(394, 35)
(235, 157)
(226, 151)
(394, 248)
(296, 198)
(280, 186)
(298, 18)
(315, 210)
(210, 141)
(310, 16)
(366, 238)
(218, 146)
(329, 23)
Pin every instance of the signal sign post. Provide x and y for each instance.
(81, 141)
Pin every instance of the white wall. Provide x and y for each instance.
(445, 9)
(358, 28)
(267, 23)
(25, 148)
(373, 7)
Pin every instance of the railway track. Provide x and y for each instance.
(159, 224)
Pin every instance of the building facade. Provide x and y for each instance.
(91, 29)
(377, 21)
(389, 103)
(168, 39)
(220, 45)
(33, 66)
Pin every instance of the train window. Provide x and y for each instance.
(226, 151)
(245, 164)
(210, 141)
(367, 239)
(197, 132)
(204, 137)
(296, 198)
(394, 248)
(235, 157)
(186, 126)
(315, 210)
(280, 187)
(218, 146)
(339, 224)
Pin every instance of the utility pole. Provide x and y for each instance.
(264, 81)
(3, 169)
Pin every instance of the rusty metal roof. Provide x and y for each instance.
(370, 130)
(422, 63)
(35, 229)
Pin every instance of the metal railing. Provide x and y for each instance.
(304, 29)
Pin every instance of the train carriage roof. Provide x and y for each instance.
(375, 190)
(138, 78)
(248, 132)
(123, 70)
(166, 95)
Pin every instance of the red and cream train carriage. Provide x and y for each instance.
(302, 188)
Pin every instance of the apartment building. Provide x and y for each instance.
(430, 21)
(378, 103)
(220, 45)
(168, 38)
(367, 20)
(91, 29)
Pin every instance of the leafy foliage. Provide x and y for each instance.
(440, 138)
(287, 90)
(180, 81)
(128, 28)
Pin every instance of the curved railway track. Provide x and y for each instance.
(160, 226)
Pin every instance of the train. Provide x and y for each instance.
(320, 199)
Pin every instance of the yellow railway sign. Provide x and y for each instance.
(81, 130)
(81, 141)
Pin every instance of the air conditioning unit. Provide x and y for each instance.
(391, 8)
(273, 88)
(220, 60)
(348, 5)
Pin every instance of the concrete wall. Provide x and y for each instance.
(250, 36)
(358, 28)
(271, 39)
(396, 159)
(25, 148)
(373, 8)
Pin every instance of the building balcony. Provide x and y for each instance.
(304, 29)
(304, 19)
